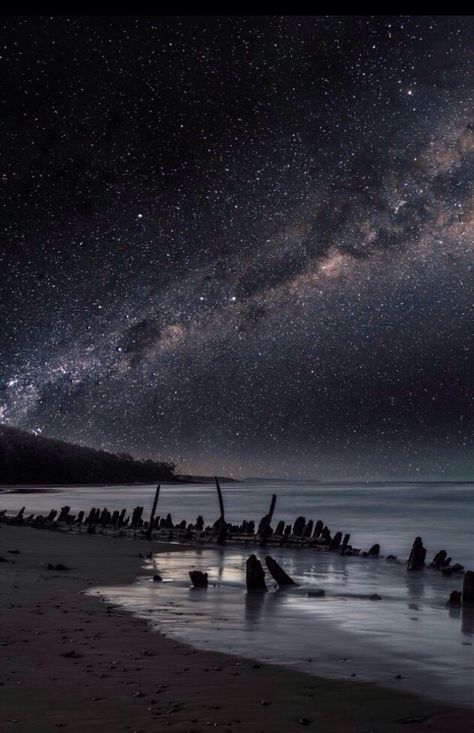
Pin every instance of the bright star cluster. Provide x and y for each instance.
(244, 244)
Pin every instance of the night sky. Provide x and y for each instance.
(244, 244)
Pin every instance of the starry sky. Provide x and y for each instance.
(244, 244)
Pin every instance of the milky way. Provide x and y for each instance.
(242, 244)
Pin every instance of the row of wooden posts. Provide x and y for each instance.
(302, 532)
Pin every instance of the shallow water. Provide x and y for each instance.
(391, 514)
(409, 632)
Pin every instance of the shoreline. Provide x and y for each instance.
(70, 661)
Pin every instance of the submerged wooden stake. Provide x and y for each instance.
(222, 527)
(268, 520)
(153, 511)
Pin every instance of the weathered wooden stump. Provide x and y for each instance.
(198, 579)
(416, 561)
(255, 574)
(455, 599)
(280, 528)
(64, 513)
(318, 528)
(456, 568)
(299, 525)
(265, 531)
(345, 543)
(277, 572)
(326, 536)
(374, 550)
(336, 541)
(440, 560)
(468, 589)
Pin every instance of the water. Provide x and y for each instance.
(391, 514)
(409, 632)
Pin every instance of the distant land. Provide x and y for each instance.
(30, 459)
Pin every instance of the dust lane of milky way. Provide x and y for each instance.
(244, 244)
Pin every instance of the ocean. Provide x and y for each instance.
(408, 639)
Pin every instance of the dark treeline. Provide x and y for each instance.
(26, 458)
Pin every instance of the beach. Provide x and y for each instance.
(70, 661)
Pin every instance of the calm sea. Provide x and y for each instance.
(409, 639)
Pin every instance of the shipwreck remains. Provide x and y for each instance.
(277, 572)
(255, 575)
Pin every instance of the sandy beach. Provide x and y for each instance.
(71, 662)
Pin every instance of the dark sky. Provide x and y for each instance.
(241, 243)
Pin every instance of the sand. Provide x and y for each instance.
(70, 662)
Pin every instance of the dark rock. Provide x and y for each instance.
(198, 579)
(58, 566)
(319, 593)
(255, 574)
(71, 655)
(416, 561)
(157, 578)
(375, 597)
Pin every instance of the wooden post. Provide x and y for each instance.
(153, 511)
(268, 519)
(222, 528)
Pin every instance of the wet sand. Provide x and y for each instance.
(70, 662)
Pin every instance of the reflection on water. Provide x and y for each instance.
(409, 632)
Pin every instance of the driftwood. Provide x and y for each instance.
(153, 512)
(255, 574)
(416, 561)
(277, 572)
(198, 579)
